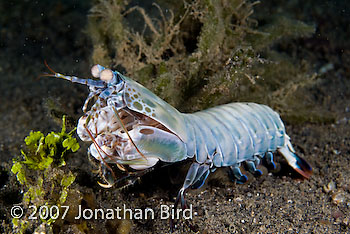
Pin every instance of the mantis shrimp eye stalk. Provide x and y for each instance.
(96, 70)
(106, 75)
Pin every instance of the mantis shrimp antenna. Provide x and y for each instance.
(74, 79)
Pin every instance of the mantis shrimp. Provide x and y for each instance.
(131, 127)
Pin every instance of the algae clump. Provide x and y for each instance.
(46, 182)
(204, 53)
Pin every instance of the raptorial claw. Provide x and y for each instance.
(105, 185)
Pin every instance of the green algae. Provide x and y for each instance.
(45, 150)
(41, 171)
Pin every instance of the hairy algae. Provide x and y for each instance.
(46, 182)
(203, 53)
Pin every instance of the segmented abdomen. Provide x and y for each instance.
(233, 133)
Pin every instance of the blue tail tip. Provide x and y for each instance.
(303, 167)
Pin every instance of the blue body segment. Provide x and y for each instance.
(233, 133)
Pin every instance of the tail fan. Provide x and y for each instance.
(296, 162)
